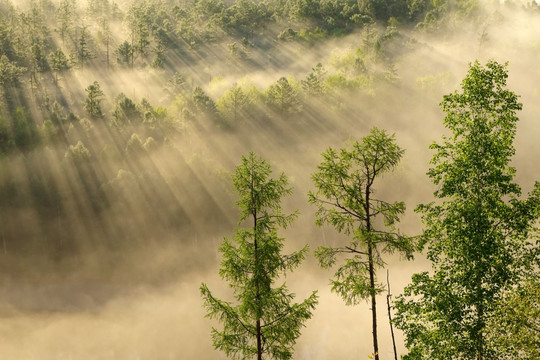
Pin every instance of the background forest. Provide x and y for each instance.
(121, 123)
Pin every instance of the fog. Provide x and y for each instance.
(124, 284)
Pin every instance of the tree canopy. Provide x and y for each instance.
(478, 234)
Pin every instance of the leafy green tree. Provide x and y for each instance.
(265, 321)
(203, 103)
(78, 153)
(134, 146)
(65, 13)
(138, 24)
(83, 51)
(105, 37)
(25, 132)
(39, 60)
(313, 85)
(344, 199)
(283, 98)
(175, 85)
(245, 17)
(9, 72)
(125, 111)
(159, 56)
(6, 41)
(93, 101)
(124, 53)
(477, 235)
(233, 103)
(59, 63)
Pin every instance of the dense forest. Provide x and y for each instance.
(128, 129)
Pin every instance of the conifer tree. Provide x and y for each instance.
(93, 101)
(345, 182)
(264, 321)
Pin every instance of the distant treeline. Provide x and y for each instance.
(53, 36)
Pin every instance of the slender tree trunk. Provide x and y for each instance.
(255, 273)
(390, 316)
(259, 342)
(373, 302)
(371, 277)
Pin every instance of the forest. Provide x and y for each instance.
(269, 179)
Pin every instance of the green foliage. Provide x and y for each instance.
(93, 101)
(175, 85)
(25, 133)
(202, 102)
(313, 85)
(58, 62)
(345, 182)
(78, 153)
(49, 130)
(138, 21)
(283, 98)
(124, 53)
(518, 318)
(134, 146)
(9, 72)
(125, 111)
(477, 237)
(84, 52)
(265, 321)
(233, 104)
(65, 15)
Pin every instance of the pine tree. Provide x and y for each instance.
(93, 101)
(283, 98)
(264, 321)
(345, 182)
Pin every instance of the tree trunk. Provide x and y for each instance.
(373, 301)
(259, 342)
(371, 276)
(390, 316)
(255, 273)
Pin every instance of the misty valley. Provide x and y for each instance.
(269, 179)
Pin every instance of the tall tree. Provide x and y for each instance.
(125, 53)
(265, 321)
(104, 36)
(59, 63)
(93, 101)
(138, 23)
(313, 85)
(345, 183)
(283, 98)
(477, 235)
(83, 51)
(9, 72)
(65, 14)
(233, 103)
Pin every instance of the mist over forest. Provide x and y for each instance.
(121, 123)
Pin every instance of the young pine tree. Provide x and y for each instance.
(92, 104)
(345, 183)
(264, 321)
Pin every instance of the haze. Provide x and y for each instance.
(119, 280)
